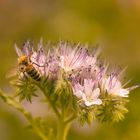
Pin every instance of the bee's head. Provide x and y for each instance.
(23, 60)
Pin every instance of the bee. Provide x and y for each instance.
(25, 66)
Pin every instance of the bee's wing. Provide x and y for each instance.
(18, 51)
(12, 73)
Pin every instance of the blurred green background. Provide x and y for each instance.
(115, 24)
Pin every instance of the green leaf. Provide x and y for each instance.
(26, 89)
(86, 115)
(113, 109)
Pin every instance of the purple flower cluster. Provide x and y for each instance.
(87, 78)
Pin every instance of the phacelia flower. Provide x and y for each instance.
(39, 60)
(88, 92)
(26, 50)
(45, 63)
(72, 59)
(87, 78)
(112, 85)
(74, 79)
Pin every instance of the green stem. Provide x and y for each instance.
(50, 102)
(70, 119)
(38, 131)
(12, 102)
(63, 126)
(62, 130)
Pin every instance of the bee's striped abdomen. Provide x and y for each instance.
(33, 73)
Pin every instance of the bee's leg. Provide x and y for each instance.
(38, 65)
(25, 75)
(44, 66)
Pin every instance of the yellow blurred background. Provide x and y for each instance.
(114, 24)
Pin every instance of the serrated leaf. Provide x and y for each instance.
(113, 109)
(87, 115)
(25, 89)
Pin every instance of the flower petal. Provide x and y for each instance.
(96, 102)
(95, 93)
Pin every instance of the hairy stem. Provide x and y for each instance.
(70, 119)
(63, 123)
(62, 130)
(50, 102)
(12, 102)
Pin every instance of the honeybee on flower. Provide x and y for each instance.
(26, 64)
(35, 64)
(76, 84)
(86, 77)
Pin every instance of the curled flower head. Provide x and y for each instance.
(73, 79)
(75, 84)
(87, 78)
